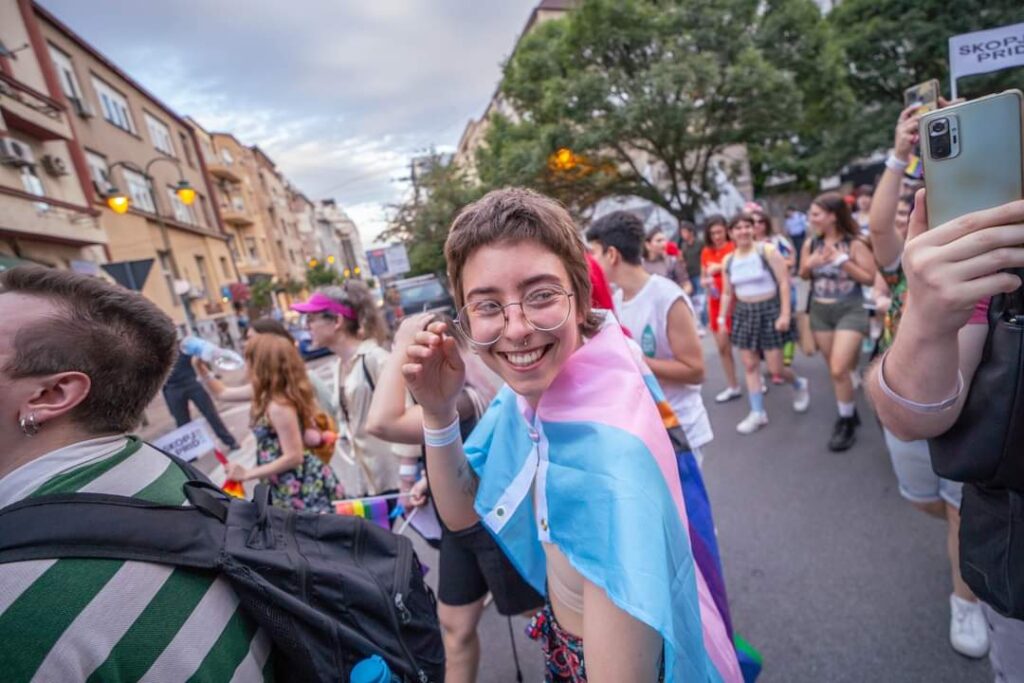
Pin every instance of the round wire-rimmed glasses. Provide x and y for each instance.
(545, 309)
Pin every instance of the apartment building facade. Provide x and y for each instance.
(136, 145)
(338, 229)
(47, 210)
(283, 226)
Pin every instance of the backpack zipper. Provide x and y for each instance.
(393, 604)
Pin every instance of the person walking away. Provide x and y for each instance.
(282, 408)
(838, 263)
(183, 386)
(922, 383)
(660, 318)
(471, 562)
(716, 247)
(690, 247)
(911, 460)
(796, 229)
(346, 320)
(571, 440)
(758, 277)
(80, 359)
(657, 262)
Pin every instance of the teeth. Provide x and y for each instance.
(524, 358)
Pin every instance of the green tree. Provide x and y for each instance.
(646, 94)
(891, 45)
(795, 37)
(321, 274)
(421, 222)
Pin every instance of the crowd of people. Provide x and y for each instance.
(538, 412)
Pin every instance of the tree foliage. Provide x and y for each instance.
(891, 45)
(321, 275)
(647, 93)
(422, 221)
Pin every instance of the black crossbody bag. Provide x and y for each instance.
(985, 450)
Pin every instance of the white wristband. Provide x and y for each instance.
(439, 438)
(914, 405)
(405, 471)
(896, 165)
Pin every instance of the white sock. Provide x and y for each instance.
(846, 409)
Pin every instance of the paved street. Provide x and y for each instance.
(831, 575)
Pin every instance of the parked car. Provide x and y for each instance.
(423, 294)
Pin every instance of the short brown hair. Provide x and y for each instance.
(369, 323)
(123, 342)
(514, 215)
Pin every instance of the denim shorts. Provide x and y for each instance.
(918, 481)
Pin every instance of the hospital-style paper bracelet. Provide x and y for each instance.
(439, 438)
(896, 165)
(914, 405)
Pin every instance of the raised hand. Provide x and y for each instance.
(435, 373)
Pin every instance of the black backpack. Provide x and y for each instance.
(985, 450)
(330, 590)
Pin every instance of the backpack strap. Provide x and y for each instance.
(764, 262)
(93, 525)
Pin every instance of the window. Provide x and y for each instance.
(233, 246)
(186, 146)
(238, 204)
(98, 171)
(225, 155)
(140, 190)
(224, 266)
(250, 245)
(291, 255)
(204, 277)
(168, 273)
(66, 75)
(31, 182)
(205, 217)
(182, 213)
(160, 134)
(115, 106)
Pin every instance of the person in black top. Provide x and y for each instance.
(183, 386)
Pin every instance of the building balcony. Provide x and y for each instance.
(222, 171)
(32, 112)
(48, 219)
(232, 216)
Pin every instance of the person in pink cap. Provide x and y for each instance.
(346, 320)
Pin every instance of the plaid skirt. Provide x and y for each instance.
(753, 326)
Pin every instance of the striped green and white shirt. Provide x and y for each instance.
(110, 620)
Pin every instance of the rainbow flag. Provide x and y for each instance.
(230, 487)
(915, 169)
(374, 510)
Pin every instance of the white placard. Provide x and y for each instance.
(984, 51)
(398, 260)
(188, 442)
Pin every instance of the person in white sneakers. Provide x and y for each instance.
(757, 277)
(659, 316)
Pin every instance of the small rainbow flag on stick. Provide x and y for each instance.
(230, 487)
(373, 509)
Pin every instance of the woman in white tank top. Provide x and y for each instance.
(757, 276)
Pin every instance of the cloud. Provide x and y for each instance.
(340, 93)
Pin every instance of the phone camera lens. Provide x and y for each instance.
(938, 127)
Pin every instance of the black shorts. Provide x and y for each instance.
(472, 563)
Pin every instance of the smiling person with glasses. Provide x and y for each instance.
(571, 467)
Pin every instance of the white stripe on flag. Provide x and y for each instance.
(87, 642)
(197, 635)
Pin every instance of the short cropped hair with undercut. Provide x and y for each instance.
(622, 230)
(122, 341)
(515, 215)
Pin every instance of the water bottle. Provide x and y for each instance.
(371, 670)
(223, 359)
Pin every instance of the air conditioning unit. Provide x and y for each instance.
(54, 165)
(14, 153)
(82, 107)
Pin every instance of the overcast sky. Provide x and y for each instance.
(340, 93)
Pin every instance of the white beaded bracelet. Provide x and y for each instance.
(439, 438)
(914, 405)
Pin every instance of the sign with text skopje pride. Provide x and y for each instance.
(984, 51)
(188, 442)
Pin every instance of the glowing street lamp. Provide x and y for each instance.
(185, 192)
(117, 200)
(330, 259)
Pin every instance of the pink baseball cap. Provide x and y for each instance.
(320, 303)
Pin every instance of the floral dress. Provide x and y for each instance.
(310, 487)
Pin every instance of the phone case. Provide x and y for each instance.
(926, 93)
(988, 171)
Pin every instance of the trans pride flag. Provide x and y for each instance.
(595, 464)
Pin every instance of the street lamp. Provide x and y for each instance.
(119, 203)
